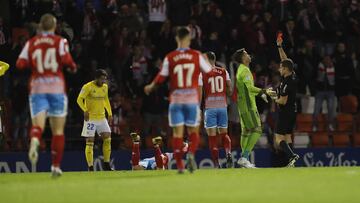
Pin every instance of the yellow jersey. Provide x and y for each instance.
(95, 100)
(3, 68)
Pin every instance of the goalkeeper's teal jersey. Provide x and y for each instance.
(246, 90)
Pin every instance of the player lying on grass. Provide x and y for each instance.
(160, 161)
(216, 87)
(3, 68)
(251, 128)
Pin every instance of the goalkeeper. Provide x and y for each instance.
(249, 117)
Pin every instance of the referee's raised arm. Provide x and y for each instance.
(279, 41)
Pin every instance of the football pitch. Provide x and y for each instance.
(340, 184)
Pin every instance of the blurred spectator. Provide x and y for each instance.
(342, 62)
(356, 76)
(157, 15)
(325, 91)
(118, 114)
(196, 34)
(137, 69)
(307, 60)
(20, 114)
(179, 12)
(155, 106)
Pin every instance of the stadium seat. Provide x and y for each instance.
(348, 104)
(304, 122)
(320, 139)
(127, 142)
(148, 142)
(356, 139)
(345, 122)
(301, 140)
(341, 140)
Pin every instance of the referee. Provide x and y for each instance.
(287, 105)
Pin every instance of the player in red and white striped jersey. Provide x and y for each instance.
(216, 87)
(47, 54)
(183, 67)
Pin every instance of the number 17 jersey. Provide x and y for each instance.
(183, 67)
(46, 54)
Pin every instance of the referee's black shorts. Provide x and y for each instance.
(286, 123)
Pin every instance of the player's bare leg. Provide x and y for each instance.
(227, 146)
(193, 145)
(89, 153)
(106, 136)
(282, 141)
(38, 124)
(57, 125)
(178, 133)
(214, 151)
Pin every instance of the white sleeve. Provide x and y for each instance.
(204, 65)
(227, 75)
(63, 47)
(200, 80)
(165, 68)
(25, 52)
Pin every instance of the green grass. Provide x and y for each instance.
(340, 185)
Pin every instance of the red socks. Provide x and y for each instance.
(158, 157)
(35, 131)
(57, 149)
(178, 152)
(226, 142)
(135, 156)
(214, 150)
(194, 142)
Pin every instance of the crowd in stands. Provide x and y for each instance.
(129, 38)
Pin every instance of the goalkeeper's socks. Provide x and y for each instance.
(226, 142)
(194, 142)
(245, 154)
(214, 150)
(158, 157)
(243, 142)
(286, 148)
(57, 149)
(135, 155)
(178, 152)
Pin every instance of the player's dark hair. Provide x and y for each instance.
(211, 55)
(288, 63)
(182, 32)
(47, 22)
(237, 56)
(100, 72)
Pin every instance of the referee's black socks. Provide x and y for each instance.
(286, 148)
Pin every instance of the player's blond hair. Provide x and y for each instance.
(47, 22)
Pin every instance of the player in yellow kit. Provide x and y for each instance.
(93, 100)
(3, 68)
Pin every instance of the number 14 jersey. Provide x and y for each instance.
(46, 54)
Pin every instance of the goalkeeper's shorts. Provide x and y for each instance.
(250, 119)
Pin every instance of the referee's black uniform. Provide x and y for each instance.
(287, 112)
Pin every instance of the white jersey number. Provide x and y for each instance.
(216, 83)
(179, 71)
(48, 62)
